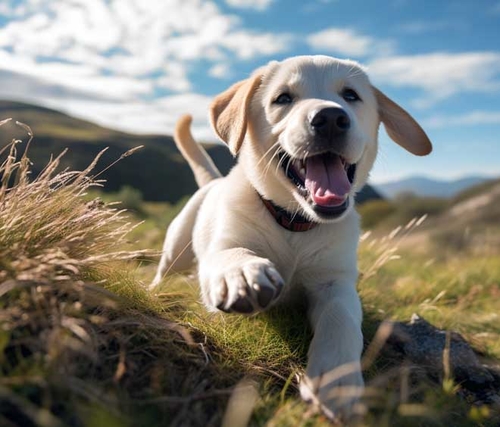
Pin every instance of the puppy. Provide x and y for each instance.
(305, 132)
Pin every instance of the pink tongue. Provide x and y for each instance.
(326, 180)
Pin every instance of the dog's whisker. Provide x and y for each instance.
(268, 166)
(306, 155)
(290, 161)
(276, 147)
(295, 209)
(295, 213)
(288, 165)
(275, 154)
(267, 152)
(280, 164)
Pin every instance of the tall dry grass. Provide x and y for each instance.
(79, 336)
(46, 227)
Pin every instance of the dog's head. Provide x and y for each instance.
(307, 131)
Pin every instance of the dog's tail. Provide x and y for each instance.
(200, 162)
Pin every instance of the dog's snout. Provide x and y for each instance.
(330, 122)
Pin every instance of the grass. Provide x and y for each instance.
(453, 290)
(79, 334)
(83, 344)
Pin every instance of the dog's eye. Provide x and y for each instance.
(283, 99)
(350, 95)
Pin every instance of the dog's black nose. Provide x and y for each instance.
(330, 122)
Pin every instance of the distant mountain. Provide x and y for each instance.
(427, 187)
(367, 193)
(157, 170)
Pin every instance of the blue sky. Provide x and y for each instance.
(136, 65)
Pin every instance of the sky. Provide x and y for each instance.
(136, 65)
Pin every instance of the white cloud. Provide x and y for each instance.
(81, 79)
(439, 75)
(473, 118)
(122, 51)
(348, 42)
(133, 37)
(247, 45)
(220, 71)
(30, 89)
(250, 4)
(157, 116)
(175, 78)
(10, 8)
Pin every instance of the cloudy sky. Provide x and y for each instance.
(135, 65)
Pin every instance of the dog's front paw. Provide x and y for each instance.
(335, 391)
(248, 288)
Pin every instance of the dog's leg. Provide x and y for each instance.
(333, 376)
(177, 253)
(237, 280)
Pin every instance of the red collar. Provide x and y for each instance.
(292, 222)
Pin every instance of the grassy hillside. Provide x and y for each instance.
(83, 344)
(157, 170)
(469, 221)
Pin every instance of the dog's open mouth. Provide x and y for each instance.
(324, 180)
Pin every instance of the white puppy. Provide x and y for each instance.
(283, 220)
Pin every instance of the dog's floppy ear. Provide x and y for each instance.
(229, 111)
(401, 127)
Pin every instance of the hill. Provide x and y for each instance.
(427, 187)
(466, 223)
(158, 170)
(477, 207)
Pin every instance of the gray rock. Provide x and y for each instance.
(438, 352)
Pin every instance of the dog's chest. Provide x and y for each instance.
(318, 255)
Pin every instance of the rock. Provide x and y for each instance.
(440, 353)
